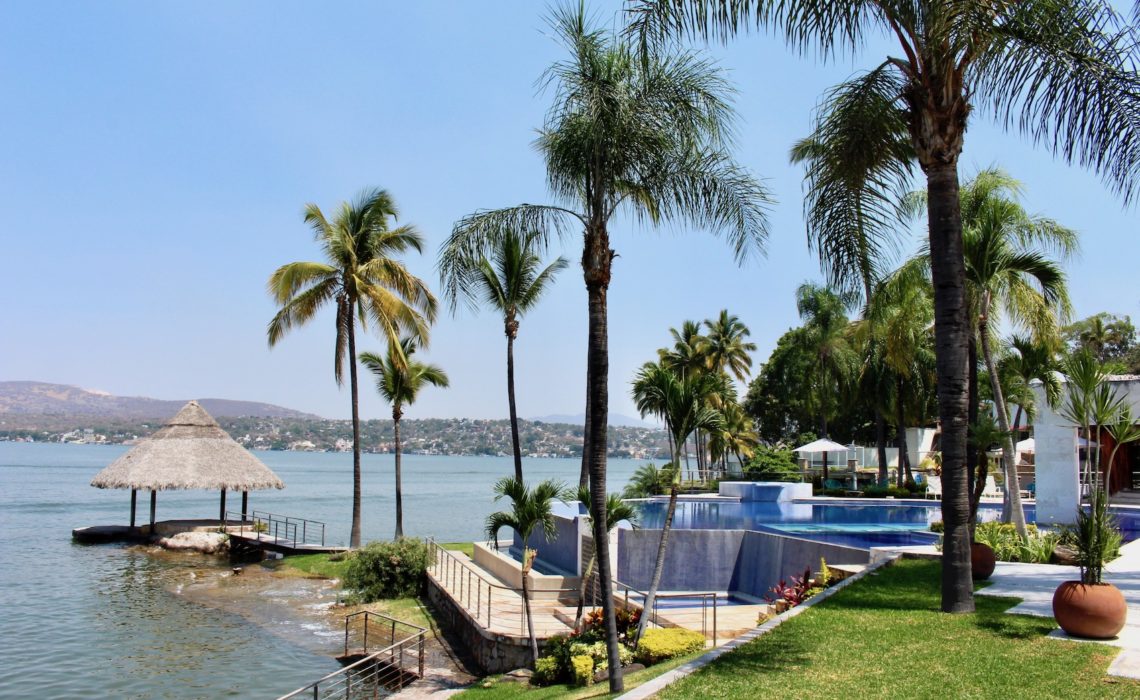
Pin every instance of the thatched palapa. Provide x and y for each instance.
(190, 452)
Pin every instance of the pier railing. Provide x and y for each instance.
(396, 664)
(280, 529)
(496, 606)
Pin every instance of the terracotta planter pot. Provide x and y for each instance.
(982, 561)
(1096, 611)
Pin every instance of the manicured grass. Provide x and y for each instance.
(885, 638)
(315, 565)
(467, 548)
(494, 689)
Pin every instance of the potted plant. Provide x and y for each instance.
(1090, 607)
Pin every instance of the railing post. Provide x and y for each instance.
(421, 654)
(393, 632)
(346, 636)
(366, 633)
(714, 620)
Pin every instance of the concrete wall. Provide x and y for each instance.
(1056, 458)
(562, 552)
(775, 491)
(509, 571)
(494, 653)
(723, 560)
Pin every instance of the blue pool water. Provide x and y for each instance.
(879, 524)
(670, 601)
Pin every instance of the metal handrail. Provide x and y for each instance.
(468, 588)
(389, 622)
(655, 613)
(284, 529)
(384, 667)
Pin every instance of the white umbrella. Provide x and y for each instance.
(1026, 445)
(822, 445)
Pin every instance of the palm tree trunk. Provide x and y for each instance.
(972, 417)
(526, 606)
(881, 446)
(582, 586)
(900, 433)
(658, 566)
(511, 401)
(1012, 487)
(399, 489)
(597, 258)
(354, 533)
(952, 336)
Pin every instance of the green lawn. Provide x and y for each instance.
(467, 548)
(885, 638)
(494, 689)
(314, 565)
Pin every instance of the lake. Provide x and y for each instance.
(83, 621)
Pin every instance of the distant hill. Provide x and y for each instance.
(615, 419)
(39, 398)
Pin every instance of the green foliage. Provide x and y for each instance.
(648, 481)
(824, 577)
(883, 492)
(1110, 338)
(660, 644)
(545, 671)
(772, 464)
(382, 570)
(321, 565)
(938, 526)
(1008, 546)
(598, 652)
(583, 667)
(1096, 538)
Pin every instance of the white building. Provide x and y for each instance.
(1058, 451)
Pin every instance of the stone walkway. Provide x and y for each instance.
(1035, 584)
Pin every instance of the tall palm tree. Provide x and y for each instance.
(1008, 272)
(1062, 72)
(690, 355)
(681, 400)
(399, 380)
(366, 285)
(644, 133)
(511, 282)
(617, 510)
(823, 312)
(530, 510)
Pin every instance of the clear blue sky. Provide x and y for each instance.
(156, 157)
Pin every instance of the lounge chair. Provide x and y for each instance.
(934, 487)
(833, 484)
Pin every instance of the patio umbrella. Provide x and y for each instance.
(1026, 445)
(823, 445)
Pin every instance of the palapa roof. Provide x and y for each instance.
(190, 452)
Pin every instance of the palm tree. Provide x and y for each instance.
(365, 283)
(823, 311)
(644, 133)
(681, 400)
(1028, 360)
(530, 509)
(510, 282)
(690, 354)
(726, 347)
(1059, 71)
(617, 510)
(399, 380)
(1008, 271)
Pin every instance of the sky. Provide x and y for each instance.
(155, 159)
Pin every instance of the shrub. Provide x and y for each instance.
(593, 626)
(600, 654)
(383, 570)
(658, 645)
(545, 671)
(1007, 546)
(583, 667)
(793, 594)
(772, 464)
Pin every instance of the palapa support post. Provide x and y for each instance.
(244, 505)
(153, 503)
(134, 497)
(222, 508)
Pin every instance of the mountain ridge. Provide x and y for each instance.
(27, 398)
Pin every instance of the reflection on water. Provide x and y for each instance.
(128, 622)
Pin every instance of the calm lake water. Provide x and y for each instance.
(129, 622)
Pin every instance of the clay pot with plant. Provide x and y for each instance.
(1091, 607)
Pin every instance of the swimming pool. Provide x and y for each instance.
(864, 525)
